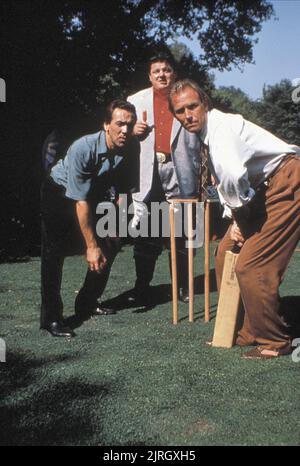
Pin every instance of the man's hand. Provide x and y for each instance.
(141, 130)
(96, 259)
(236, 235)
(140, 211)
(94, 255)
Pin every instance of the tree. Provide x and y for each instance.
(234, 100)
(78, 53)
(63, 60)
(224, 28)
(276, 111)
(279, 114)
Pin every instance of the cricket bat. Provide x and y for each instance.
(228, 305)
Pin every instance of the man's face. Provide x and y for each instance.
(162, 76)
(119, 130)
(189, 110)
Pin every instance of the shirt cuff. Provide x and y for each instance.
(246, 199)
(75, 197)
(243, 201)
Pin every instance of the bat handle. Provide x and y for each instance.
(236, 249)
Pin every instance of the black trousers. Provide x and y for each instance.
(147, 250)
(59, 221)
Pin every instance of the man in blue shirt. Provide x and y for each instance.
(76, 184)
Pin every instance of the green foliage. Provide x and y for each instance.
(275, 112)
(188, 66)
(74, 51)
(224, 29)
(62, 61)
(234, 100)
(279, 114)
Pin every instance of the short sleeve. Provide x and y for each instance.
(81, 167)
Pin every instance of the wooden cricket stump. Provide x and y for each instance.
(206, 261)
(190, 203)
(173, 265)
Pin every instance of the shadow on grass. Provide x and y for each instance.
(200, 315)
(50, 414)
(14, 259)
(290, 310)
(160, 294)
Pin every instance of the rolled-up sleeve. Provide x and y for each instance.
(229, 155)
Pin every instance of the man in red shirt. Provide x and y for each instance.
(169, 168)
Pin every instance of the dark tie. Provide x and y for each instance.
(111, 161)
(205, 173)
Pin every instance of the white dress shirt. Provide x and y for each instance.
(242, 156)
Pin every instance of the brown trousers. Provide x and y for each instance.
(272, 233)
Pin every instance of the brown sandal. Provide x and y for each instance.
(261, 353)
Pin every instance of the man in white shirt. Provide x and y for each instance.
(258, 180)
(169, 168)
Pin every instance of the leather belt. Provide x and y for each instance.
(281, 164)
(162, 157)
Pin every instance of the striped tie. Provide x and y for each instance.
(205, 173)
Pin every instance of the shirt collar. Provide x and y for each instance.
(203, 134)
(101, 143)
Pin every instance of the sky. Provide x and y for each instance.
(276, 55)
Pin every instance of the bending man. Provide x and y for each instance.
(258, 177)
(93, 164)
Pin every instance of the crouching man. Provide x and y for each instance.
(75, 185)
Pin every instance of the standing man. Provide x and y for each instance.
(93, 164)
(170, 167)
(258, 178)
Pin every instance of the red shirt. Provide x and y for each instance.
(163, 120)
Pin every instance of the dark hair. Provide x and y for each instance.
(182, 84)
(162, 56)
(123, 105)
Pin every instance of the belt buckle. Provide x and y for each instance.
(161, 157)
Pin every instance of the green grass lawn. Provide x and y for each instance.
(134, 378)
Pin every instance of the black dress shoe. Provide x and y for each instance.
(103, 311)
(139, 297)
(99, 310)
(59, 329)
(183, 295)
